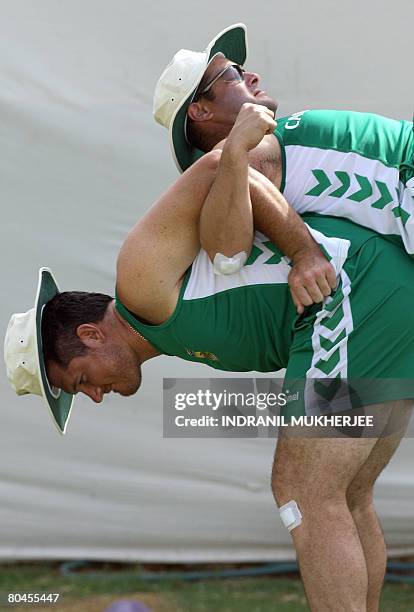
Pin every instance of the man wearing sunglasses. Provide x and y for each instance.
(172, 299)
(199, 98)
(354, 165)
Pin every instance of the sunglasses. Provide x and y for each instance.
(232, 72)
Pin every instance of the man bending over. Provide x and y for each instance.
(177, 299)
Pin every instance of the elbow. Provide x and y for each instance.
(228, 247)
(226, 258)
(224, 265)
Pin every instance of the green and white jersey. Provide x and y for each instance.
(359, 166)
(247, 321)
(239, 322)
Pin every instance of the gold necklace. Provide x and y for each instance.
(135, 331)
(129, 325)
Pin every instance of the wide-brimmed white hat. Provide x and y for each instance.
(178, 83)
(23, 354)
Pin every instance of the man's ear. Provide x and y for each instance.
(200, 111)
(91, 335)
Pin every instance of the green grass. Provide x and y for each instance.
(221, 595)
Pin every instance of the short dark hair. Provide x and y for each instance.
(60, 319)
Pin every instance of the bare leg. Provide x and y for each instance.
(360, 502)
(330, 554)
(317, 473)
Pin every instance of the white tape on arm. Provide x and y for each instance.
(290, 515)
(229, 265)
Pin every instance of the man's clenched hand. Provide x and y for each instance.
(311, 279)
(253, 122)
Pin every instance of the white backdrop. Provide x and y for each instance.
(81, 160)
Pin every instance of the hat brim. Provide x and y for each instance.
(59, 401)
(232, 42)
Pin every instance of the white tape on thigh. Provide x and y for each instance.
(290, 515)
(229, 265)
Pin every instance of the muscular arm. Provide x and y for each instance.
(164, 243)
(226, 220)
(240, 198)
(272, 214)
(238, 191)
(312, 277)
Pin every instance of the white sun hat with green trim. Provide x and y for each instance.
(178, 83)
(23, 354)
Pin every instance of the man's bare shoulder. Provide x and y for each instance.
(137, 263)
(143, 286)
(132, 281)
(163, 244)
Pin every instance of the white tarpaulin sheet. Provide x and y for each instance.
(81, 160)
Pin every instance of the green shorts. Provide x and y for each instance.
(359, 348)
